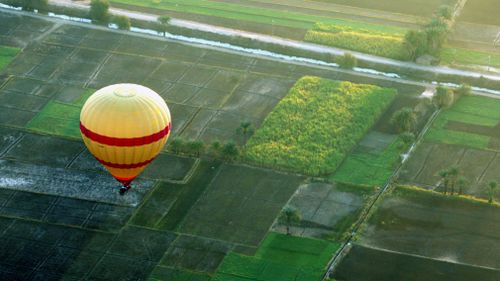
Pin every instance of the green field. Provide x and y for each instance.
(7, 54)
(468, 56)
(370, 167)
(316, 125)
(251, 13)
(279, 258)
(470, 113)
(425, 7)
(384, 43)
(59, 118)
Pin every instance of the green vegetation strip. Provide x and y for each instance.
(7, 54)
(368, 167)
(467, 56)
(471, 110)
(60, 119)
(250, 13)
(314, 127)
(362, 40)
(433, 198)
(280, 257)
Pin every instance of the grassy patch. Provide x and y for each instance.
(362, 40)
(313, 128)
(467, 56)
(370, 168)
(7, 54)
(472, 110)
(60, 119)
(280, 258)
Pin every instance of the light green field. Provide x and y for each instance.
(471, 110)
(61, 119)
(7, 54)
(279, 258)
(314, 127)
(370, 168)
(467, 56)
(252, 13)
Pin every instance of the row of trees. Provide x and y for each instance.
(452, 180)
(431, 38)
(227, 151)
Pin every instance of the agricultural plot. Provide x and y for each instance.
(371, 264)
(471, 122)
(280, 257)
(465, 136)
(472, 57)
(388, 43)
(327, 210)
(372, 162)
(431, 225)
(240, 204)
(278, 17)
(425, 8)
(313, 128)
(7, 54)
(480, 11)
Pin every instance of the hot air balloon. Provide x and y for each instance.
(125, 126)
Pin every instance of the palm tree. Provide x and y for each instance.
(196, 147)
(453, 173)
(290, 216)
(230, 151)
(492, 185)
(245, 130)
(444, 179)
(404, 119)
(215, 148)
(462, 184)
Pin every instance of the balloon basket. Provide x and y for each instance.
(124, 189)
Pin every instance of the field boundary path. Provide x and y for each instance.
(346, 246)
(286, 42)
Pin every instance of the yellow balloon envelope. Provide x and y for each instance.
(125, 126)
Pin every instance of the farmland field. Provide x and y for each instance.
(467, 56)
(279, 257)
(425, 8)
(255, 197)
(328, 210)
(436, 226)
(481, 11)
(7, 54)
(303, 134)
(382, 42)
(364, 263)
(471, 122)
(271, 16)
(463, 136)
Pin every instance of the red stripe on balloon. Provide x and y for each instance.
(125, 166)
(124, 141)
